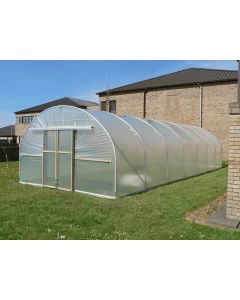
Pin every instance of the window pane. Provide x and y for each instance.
(27, 119)
(65, 170)
(49, 142)
(112, 106)
(103, 105)
(49, 169)
(65, 141)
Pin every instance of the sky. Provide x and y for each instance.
(28, 83)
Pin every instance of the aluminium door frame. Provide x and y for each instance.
(57, 152)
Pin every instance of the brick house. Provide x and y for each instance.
(194, 96)
(25, 116)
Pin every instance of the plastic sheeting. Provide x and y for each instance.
(99, 153)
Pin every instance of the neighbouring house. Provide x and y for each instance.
(7, 135)
(194, 96)
(25, 116)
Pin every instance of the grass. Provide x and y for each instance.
(28, 212)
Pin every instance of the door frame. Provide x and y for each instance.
(57, 152)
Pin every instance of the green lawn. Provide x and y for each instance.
(28, 212)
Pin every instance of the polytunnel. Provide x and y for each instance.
(102, 154)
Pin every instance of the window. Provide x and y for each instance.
(112, 106)
(17, 120)
(27, 119)
(103, 105)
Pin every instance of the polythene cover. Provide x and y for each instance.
(213, 147)
(130, 155)
(175, 150)
(190, 167)
(33, 166)
(201, 151)
(156, 151)
(112, 156)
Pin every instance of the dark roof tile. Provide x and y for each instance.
(180, 78)
(63, 101)
(7, 131)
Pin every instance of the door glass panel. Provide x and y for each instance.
(49, 169)
(65, 171)
(57, 165)
(49, 142)
(65, 141)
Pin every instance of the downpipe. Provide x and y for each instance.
(200, 105)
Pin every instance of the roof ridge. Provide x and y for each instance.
(125, 85)
(164, 77)
(73, 101)
(7, 126)
(207, 69)
(77, 99)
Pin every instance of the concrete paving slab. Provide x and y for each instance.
(218, 218)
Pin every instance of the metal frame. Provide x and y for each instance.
(56, 158)
(93, 159)
(94, 194)
(34, 184)
(73, 161)
(64, 128)
(57, 152)
(43, 159)
(32, 155)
